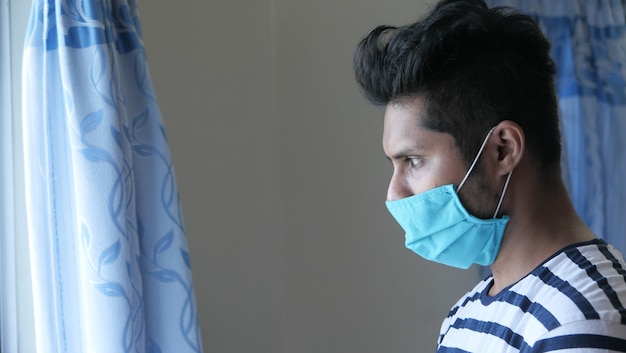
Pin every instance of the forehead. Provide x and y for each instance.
(403, 130)
(405, 112)
(403, 122)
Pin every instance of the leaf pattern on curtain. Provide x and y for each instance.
(110, 262)
(589, 47)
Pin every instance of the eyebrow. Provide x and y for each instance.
(406, 151)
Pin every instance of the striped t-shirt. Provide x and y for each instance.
(574, 302)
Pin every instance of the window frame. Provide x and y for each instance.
(16, 306)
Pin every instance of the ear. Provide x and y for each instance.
(510, 142)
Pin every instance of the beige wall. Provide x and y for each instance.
(283, 179)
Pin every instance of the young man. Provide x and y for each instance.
(471, 128)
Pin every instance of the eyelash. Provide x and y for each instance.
(413, 161)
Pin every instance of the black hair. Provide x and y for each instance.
(473, 66)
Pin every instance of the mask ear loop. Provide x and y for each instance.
(506, 184)
(482, 147)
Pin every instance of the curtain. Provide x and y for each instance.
(110, 262)
(589, 47)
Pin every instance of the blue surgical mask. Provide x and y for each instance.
(440, 229)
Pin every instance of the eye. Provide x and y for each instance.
(414, 161)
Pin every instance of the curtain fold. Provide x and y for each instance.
(109, 257)
(589, 47)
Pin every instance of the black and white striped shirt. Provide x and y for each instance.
(574, 302)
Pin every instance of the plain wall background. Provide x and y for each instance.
(283, 179)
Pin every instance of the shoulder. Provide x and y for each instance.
(583, 336)
(584, 281)
(583, 287)
(577, 295)
(595, 270)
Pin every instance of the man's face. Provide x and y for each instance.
(424, 159)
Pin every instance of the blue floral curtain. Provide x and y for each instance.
(589, 47)
(109, 257)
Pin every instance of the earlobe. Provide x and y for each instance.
(511, 145)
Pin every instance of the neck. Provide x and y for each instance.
(542, 221)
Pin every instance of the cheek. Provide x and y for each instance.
(421, 181)
(479, 197)
(407, 182)
(423, 187)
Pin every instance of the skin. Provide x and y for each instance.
(542, 217)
